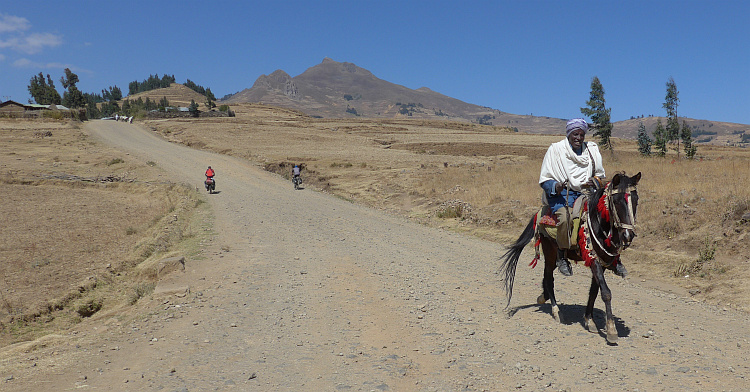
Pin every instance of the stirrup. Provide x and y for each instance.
(563, 265)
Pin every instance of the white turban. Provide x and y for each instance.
(576, 123)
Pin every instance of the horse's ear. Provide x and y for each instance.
(616, 181)
(634, 180)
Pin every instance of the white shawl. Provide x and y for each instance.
(561, 163)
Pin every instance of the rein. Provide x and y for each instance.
(616, 224)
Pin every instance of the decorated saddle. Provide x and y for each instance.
(545, 224)
(546, 220)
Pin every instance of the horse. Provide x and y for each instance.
(607, 228)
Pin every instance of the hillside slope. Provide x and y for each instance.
(703, 131)
(177, 95)
(338, 90)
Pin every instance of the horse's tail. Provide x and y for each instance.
(510, 258)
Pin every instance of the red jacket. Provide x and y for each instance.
(210, 173)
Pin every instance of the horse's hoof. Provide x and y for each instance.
(540, 300)
(591, 326)
(556, 314)
(611, 332)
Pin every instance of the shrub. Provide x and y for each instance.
(141, 290)
(89, 308)
(54, 114)
(708, 252)
(450, 212)
(454, 209)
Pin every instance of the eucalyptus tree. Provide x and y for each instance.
(599, 114)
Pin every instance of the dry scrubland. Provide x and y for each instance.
(482, 180)
(78, 219)
(83, 217)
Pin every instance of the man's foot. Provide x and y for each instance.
(620, 270)
(563, 265)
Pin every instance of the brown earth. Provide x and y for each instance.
(304, 291)
(82, 216)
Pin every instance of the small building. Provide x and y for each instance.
(13, 107)
(16, 109)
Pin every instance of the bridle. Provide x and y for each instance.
(617, 226)
(616, 222)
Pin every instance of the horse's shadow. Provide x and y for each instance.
(572, 314)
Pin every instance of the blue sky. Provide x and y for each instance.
(522, 57)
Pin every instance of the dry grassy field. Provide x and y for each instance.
(80, 217)
(483, 180)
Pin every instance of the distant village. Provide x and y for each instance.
(16, 109)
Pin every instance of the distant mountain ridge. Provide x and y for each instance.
(334, 89)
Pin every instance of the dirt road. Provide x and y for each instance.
(302, 291)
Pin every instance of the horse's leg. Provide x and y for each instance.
(610, 329)
(588, 318)
(548, 282)
(544, 296)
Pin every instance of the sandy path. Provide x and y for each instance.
(304, 291)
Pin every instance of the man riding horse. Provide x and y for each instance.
(571, 166)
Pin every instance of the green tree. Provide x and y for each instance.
(195, 87)
(193, 108)
(69, 80)
(660, 139)
(163, 104)
(686, 134)
(149, 104)
(113, 93)
(644, 141)
(599, 114)
(126, 107)
(671, 101)
(52, 95)
(153, 82)
(210, 98)
(43, 91)
(92, 110)
(73, 97)
(109, 109)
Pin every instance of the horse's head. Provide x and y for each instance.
(622, 196)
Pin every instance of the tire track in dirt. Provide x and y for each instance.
(303, 291)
